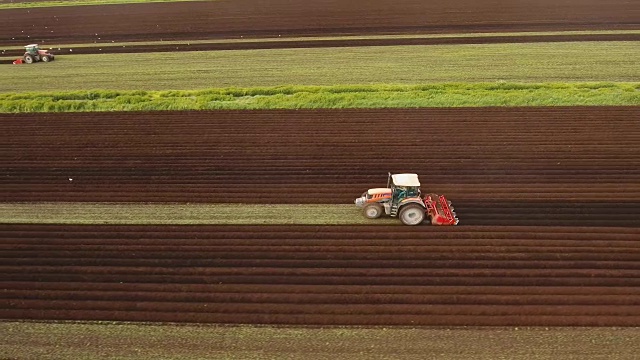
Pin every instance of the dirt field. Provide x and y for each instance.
(323, 275)
(548, 198)
(254, 18)
(575, 168)
(107, 49)
(500, 166)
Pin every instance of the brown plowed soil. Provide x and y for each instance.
(575, 168)
(256, 18)
(568, 176)
(120, 49)
(518, 166)
(322, 275)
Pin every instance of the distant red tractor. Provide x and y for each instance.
(402, 198)
(34, 54)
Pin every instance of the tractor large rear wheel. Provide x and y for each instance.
(412, 214)
(28, 59)
(373, 211)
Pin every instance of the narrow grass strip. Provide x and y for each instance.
(97, 340)
(330, 97)
(57, 3)
(183, 214)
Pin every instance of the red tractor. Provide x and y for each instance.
(402, 198)
(34, 54)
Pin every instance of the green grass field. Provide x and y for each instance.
(537, 74)
(183, 214)
(37, 4)
(528, 63)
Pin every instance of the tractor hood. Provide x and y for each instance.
(379, 191)
(373, 196)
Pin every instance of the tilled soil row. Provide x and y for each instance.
(320, 156)
(622, 299)
(578, 276)
(287, 18)
(328, 320)
(295, 44)
(512, 166)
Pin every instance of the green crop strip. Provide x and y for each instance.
(41, 4)
(183, 214)
(347, 96)
(601, 61)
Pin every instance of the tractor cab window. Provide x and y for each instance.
(402, 192)
(413, 191)
(399, 192)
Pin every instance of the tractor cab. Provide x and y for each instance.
(32, 49)
(403, 186)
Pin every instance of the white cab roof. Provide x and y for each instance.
(405, 179)
(31, 45)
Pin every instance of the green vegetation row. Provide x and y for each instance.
(330, 97)
(183, 214)
(55, 3)
(572, 62)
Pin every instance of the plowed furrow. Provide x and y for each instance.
(70, 288)
(328, 320)
(483, 276)
(179, 266)
(324, 156)
(330, 309)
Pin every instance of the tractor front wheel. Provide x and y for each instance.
(412, 214)
(28, 59)
(373, 211)
(45, 58)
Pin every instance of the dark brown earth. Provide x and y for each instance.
(509, 166)
(256, 18)
(569, 176)
(121, 49)
(323, 275)
(549, 198)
